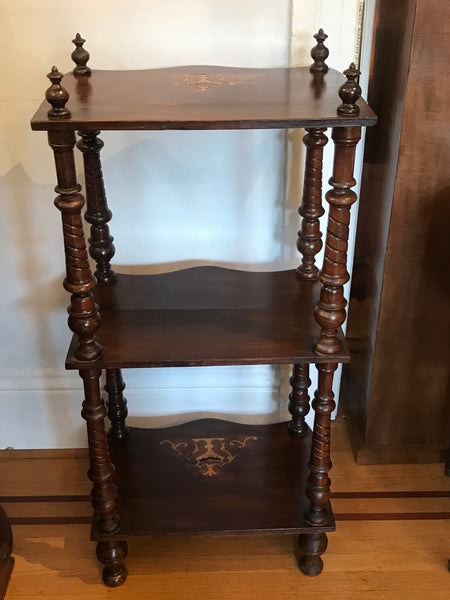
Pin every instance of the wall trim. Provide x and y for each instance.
(232, 377)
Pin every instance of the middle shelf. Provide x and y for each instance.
(205, 316)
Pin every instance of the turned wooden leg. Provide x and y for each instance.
(101, 246)
(112, 554)
(309, 241)
(299, 399)
(318, 484)
(330, 311)
(117, 405)
(83, 311)
(311, 545)
(104, 492)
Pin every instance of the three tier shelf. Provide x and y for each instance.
(207, 476)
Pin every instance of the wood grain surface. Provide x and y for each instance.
(269, 471)
(203, 97)
(207, 316)
(396, 391)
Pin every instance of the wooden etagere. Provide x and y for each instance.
(207, 476)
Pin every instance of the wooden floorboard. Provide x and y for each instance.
(392, 540)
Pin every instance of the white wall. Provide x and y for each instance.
(205, 197)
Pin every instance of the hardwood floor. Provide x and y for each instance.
(392, 539)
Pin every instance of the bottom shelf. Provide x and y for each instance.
(212, 477)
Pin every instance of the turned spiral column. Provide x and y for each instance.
(330, 311)
(299, 398)
(313, 544)
(104, 491)
(117, 405)
(83, 311)
(309, 242)
(98, 215)
(318, 485)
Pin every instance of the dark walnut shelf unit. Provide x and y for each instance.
(258, 478)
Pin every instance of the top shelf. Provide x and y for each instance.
(203, 97)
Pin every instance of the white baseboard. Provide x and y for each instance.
(41, 408)
(255, 376)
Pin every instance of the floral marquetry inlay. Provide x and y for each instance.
(203, 83)
(209, 455)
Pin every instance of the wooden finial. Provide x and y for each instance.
(319, 53)
(57, 96)
(350, 92)
(80, 56)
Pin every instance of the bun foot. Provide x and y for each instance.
(114, 576)
(310, 565)
(311, 545)
(111, 554)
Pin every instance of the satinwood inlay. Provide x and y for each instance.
(203, 82)
(209, 455)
